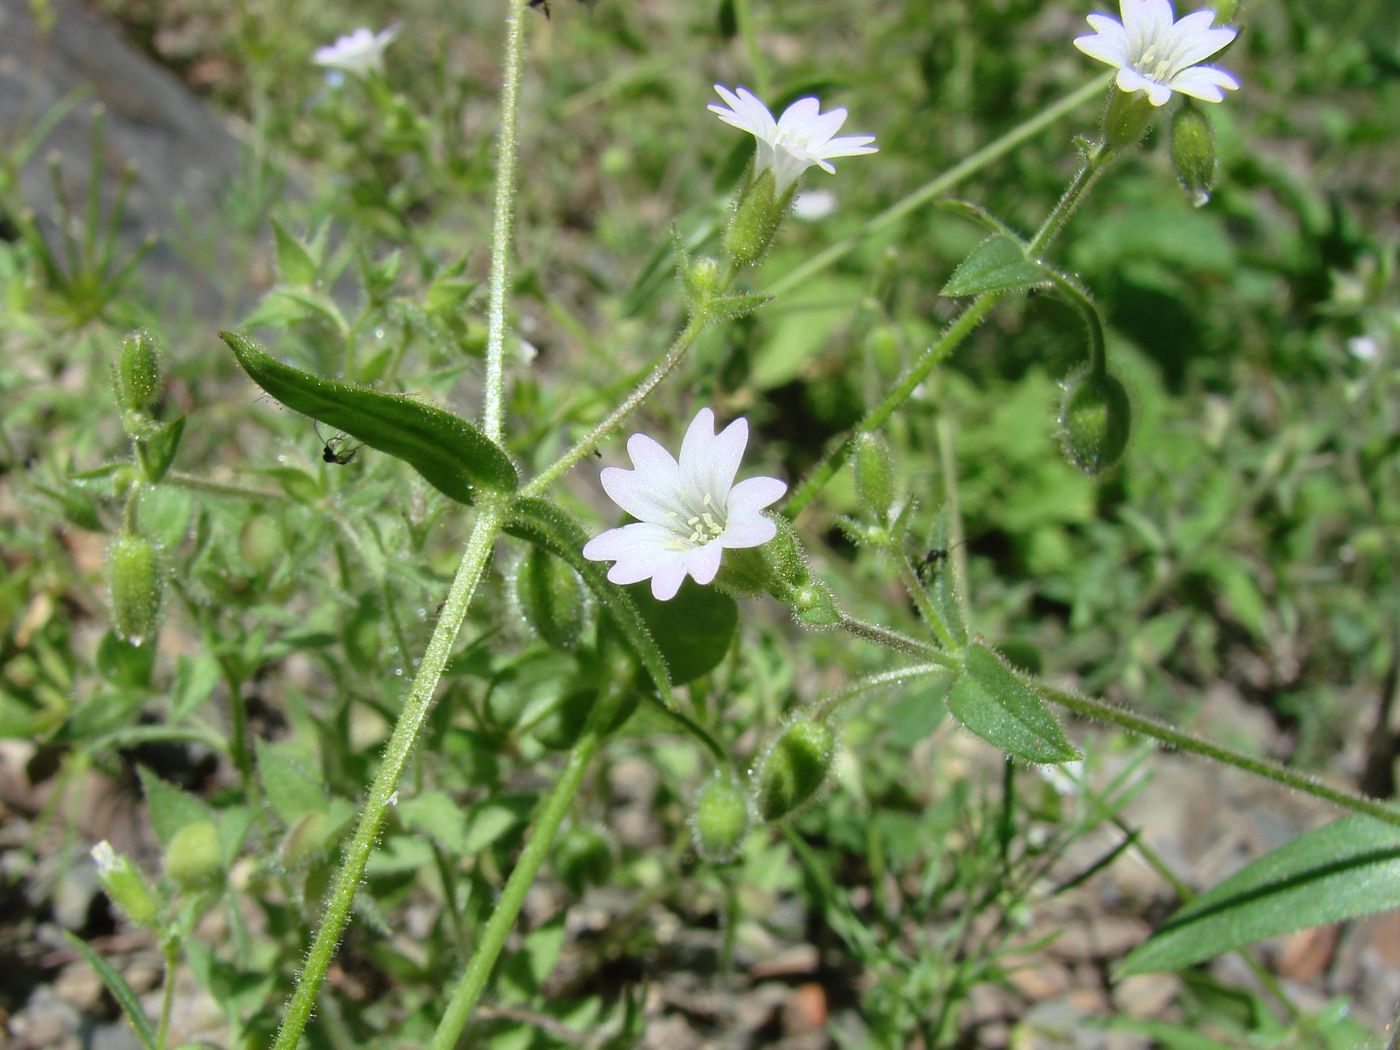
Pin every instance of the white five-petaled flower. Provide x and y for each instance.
(1159, 55)
(687, 512)
(800, 138)
(360, 52)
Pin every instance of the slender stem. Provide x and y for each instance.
(851, 690)
(222, 488)
(415, 711)
(1079, 298)
(692, 727)
(915, 587)
(915, 374)
(583, 447)
(873, 632)
(936, 187)
(171, 951)
(952, 506)
(1263, 767)
(493, 411)
(493, 937)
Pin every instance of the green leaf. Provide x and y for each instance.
(541, 522)
(491, 819)
(291, 791)
(437, 815)
(733, 307)
(693, 630)
(157, 452)
(121, 991)
(1339, 871)
(170, 808)
(989, 699)
(451, 454)
(294, 260)
(998, 264)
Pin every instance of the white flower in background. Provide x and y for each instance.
(361, 52)
(688, 512)
(104, 857)
(1156, 54)
(813, 205)
(794, 142)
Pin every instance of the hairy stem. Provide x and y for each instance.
(376, 806)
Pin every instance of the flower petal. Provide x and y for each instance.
(642, 496)
(798, 117)
(849, 146)
(748, 529)
(1105, 47)
(618, 543)
(753, 494)
(703, 562)
(708, 461)
(667, 579)
(1204, 83)
(1199, 42)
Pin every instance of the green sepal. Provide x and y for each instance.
(542, 523)
(733, 307)
(295, 262)
(451, 454)
(998, 264)
(157, 451)
(988, 698)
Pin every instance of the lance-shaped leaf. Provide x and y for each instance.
(998, 264)
(541, 522)
(122, 992)
(994, 703)
(451, 454)
(1339, 871)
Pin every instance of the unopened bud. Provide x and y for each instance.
(193, 857)
(784, 554)
(1095, 420)
(1193, 153)
(550, 598)
(756, 218)
(874, 470)
(814, 605)
(794, 768)
(124, 885)
(1127, 117)
(133, 581)
(704, 279)
(721, 819)
(137, 377)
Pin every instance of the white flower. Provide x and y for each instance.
(812, 205)
(104, 857)
(1158, 55)
(790, 145)
(361, 52)
(688, 512)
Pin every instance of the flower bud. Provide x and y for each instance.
(137, 378)
(721, 819)
(193, 857)
(133, 580)
(704, 279)
(756, 218)
(794, 768)
(550, 598)
(1127, 117)
(814, 605)
(1193, 153)
(1095, 420)
(874, 470)
(124, 885)
(260, 542)
(784, 554)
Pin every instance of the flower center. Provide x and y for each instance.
(703, 523)
(1156, 63)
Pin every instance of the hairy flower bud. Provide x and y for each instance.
(133, 580)
(721, 819)
(1193, 153)
(794, 767)
(874, 470)
(193, 857)
(550, 598)
(1095, 420)
(124, 885)
(137, 376)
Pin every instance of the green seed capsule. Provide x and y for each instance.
(193, 857)
(874, 470)
(794, 768)
(133, 580)
(1095, 420)
(1193, 153)
(124, 885)
(551, 598)
(721, 819)
(137, 378)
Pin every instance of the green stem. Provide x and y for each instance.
(376, 806)
(873, 632)
(936, 187)
(920, 597)
(1080, 299)
(493, 411)
(171, 951)
(222, 488)
(653, 379)
(952, 508)
(493, 937)
(1263, 767)
(915, 374)
(898, 675)
(1060, 214)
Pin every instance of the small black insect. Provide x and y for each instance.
(334, 450)
(539, 5)
(935, 556)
